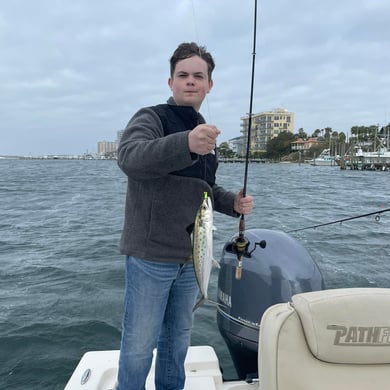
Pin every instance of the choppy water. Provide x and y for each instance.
(61, 276)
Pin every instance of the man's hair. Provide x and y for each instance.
(187, 50)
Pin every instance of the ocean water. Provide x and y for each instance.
(62, 277)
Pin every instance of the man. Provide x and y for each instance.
(168, 153)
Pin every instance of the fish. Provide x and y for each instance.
(202, 248)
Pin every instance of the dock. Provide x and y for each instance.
(242, 160)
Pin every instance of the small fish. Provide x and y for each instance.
(202, 247)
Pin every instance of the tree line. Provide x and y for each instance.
(279, 148)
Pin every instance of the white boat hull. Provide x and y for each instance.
(323, 163)
(324, 159)
(328, 339)
(97, 370)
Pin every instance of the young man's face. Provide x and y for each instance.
(190, 82)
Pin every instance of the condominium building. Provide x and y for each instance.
(237, 146)
(109, 148)
(119, 134)
(106, 147)
(265, 126)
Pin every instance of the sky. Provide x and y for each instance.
(73, 72)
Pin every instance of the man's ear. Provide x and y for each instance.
(211, 84)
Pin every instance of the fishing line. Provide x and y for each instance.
(197, 38)
(376, 213)
(207, 98)
(195, 21)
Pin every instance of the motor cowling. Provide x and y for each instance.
(271, 273)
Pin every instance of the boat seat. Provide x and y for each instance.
(331, 339)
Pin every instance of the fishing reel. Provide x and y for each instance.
(239, 246)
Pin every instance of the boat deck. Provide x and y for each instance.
(97, 370)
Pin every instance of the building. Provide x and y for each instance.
(303, 144)
(106, 148)
(237, 146)
(119, 134)
(109, 149)
(265, 126)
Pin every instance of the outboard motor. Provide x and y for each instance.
(274, 268)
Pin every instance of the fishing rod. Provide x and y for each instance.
(376, 213)
(241, 243)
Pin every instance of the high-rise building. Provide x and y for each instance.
(106, 147)
(119, 134)
(265, 126)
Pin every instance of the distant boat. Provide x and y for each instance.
(324, 159)
(373, 161)
(380, 153)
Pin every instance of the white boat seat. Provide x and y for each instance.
(332, 339)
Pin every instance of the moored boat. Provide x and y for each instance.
(380, 153)
(378, 160)
(324, 159)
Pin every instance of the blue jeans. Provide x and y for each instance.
(159, 299)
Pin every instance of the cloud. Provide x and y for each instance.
(73, 73)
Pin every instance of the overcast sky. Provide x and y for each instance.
(73, 72)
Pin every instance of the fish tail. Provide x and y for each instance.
(203, 299)
(200, 302)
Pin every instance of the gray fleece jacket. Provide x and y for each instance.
(161, 206)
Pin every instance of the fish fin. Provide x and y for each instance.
(216, 264)
(190, 228)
